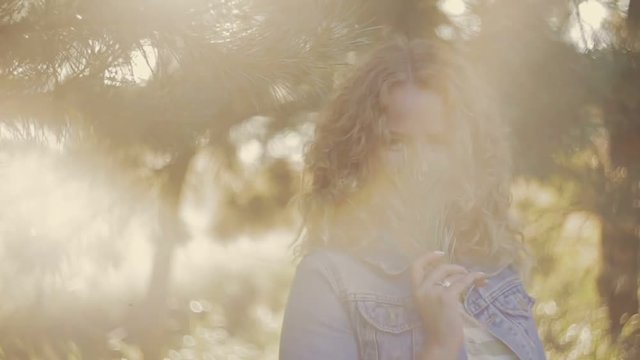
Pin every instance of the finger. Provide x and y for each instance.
(459, 286)
(435, 288)
(455, 277)
(443, 271)
(419, 265)
(431, 284)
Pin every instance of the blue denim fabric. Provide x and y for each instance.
(348, 306)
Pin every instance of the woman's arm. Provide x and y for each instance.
(316, 325)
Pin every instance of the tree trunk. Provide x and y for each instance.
(618, 281)
(150, 319)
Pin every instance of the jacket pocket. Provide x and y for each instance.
(386, 326)
(515, 300)
(516, 305)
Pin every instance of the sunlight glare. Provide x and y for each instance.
(139, 71)
(586, 32)
(143, 63)
(250, 152)
(593, 13)
(453, 7)
(60, 235)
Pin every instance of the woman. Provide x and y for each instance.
(407, 248)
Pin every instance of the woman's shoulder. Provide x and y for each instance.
(351, 274)
(325, 258)
(323, 264)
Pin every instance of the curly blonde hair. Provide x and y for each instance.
(340, 157)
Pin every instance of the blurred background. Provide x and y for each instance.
(149, 150)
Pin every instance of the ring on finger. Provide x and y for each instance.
(444, 283)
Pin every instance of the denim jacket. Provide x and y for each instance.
(343, 306)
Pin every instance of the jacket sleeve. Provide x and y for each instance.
(316, 324)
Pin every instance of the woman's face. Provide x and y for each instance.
(416, 114)
(414, 169)
(419, 130)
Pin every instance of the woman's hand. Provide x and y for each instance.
(437, 288)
